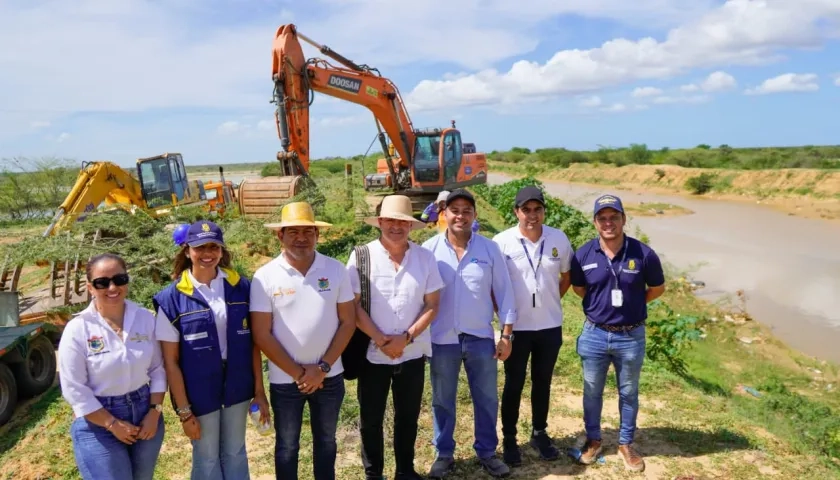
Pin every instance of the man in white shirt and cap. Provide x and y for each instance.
(539, 260)
(403, 284)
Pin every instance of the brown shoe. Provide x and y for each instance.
(590, 451)
(632, 459)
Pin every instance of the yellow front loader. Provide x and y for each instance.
(160, 184)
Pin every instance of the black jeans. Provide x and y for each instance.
(406, 381)
(542, 346)
(324, 406)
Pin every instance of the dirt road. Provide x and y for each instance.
(788, 266)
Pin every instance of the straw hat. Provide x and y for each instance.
(397, 207)
(297, 214)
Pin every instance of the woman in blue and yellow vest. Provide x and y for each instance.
(214, 369)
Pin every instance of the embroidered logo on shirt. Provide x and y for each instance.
(554, 252)
(631, 264)
(280, 292)
(589, 267)
(139, 338)
(96, 344)
(244, 330)
(476, 260)
(324, 284)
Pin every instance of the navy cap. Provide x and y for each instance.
(608, 201)
(526, 194)
(460, 193)
(203, 232)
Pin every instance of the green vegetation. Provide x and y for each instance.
(702, 156)
(695, 421)
(32, 188)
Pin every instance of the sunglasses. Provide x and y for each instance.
(103, 283)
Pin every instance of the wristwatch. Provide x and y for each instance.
(408, 338)
(324, 366)
(156, 407)
(507, 337)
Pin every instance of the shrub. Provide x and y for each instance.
(669, 334)
(700, 184)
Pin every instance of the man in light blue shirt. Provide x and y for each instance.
(476, 277)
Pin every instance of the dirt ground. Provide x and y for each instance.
(800, 192)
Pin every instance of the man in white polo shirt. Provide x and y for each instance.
(539, 260)
(302, 316)
(404, 285)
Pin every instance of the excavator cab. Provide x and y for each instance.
(438, 154)
(164, 181)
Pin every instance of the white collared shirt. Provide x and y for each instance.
(396, 296)
(94, 361)
(556, 259)
(304, 309)
(214, 295)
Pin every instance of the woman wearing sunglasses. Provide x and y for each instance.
(112, 375)
(213, 367)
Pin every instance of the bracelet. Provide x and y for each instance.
(184, 419)
(183, 410)
(111, 424)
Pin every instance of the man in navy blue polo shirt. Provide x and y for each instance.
(616, 276)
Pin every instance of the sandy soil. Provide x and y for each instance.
(779, 189)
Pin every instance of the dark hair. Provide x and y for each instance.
(182, 261)
(103, 256)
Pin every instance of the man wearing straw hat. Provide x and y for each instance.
(302, 316)
(404, 294)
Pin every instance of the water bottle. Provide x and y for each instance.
(262, 428)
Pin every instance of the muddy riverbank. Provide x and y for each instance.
(786, 265)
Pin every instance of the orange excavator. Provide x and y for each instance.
(418, 163)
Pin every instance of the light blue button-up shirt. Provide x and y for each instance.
(465, 302)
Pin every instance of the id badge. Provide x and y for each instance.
(617, 298)
(536, 299)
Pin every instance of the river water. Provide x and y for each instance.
(788, 266)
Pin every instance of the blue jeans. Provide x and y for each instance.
(482, 373)
(220, 452)
(101, 456)
(324, 406)
(626, 352)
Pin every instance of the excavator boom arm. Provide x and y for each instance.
(97, 182)
(296, 78)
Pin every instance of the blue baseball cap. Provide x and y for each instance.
(203, 232)
(608, 201)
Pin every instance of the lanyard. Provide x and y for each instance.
(612, 268)
(539, 262)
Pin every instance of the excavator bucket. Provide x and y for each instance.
(263, 197)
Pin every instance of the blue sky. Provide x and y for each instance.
(121, 79)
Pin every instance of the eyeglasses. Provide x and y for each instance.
(103, 283)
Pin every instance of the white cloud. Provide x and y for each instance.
(690, 99)
(616, 107)
(343, 120)
(63, 137)
(689, 88)
(593, 101)
(787, 82)
(739, 32)
(837, 80)
(36, 124)
(231, 127)
(718, 81)
(642, 92)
